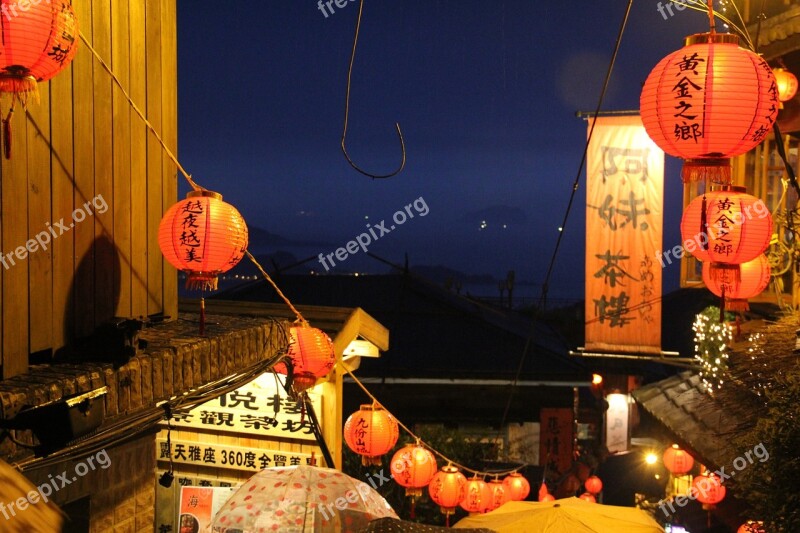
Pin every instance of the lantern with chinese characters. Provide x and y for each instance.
(447, 488)
(707, 102)
(499, 496)
(371, 432)
(516, 486)
(39, 41)
(202, 236)
(708, 490)
(477, 496)
(587, 497)
(413, 467)
(678, 461)
(787, 84)
(726, 226)
(593, 485)
(311, 356)
(735, 284)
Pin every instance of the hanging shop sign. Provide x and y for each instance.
(220, 455)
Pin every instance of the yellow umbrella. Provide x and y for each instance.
(34, 514)
(568, 515)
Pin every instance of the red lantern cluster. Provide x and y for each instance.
(413, 467)
(787, 84)
(203, 237)
(499, 496)
(311, 354)
(736, 283)
(477, 496)
(678, 461)
(708, 489)
(516, 486)
(447, 489)
(587, 497)
(593, 485)
(371, 432)
(707, 102)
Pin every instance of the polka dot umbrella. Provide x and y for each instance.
(296, 499)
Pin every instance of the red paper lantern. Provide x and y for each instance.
(499, 496)
(787, 84)
(547, 498)
(735, 284)
(371, 432)
(707, 102)
(708, 489)
(311, 354)
(516, 486)
(477, 496)
(38, 43)
(677, 461)
(593, 485)
(203, 237)
(587, 497)
(736, 228)
(447, 488)
(413, 467)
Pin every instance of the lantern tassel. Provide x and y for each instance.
(23, 88)
(737, 305)
(704, 224)
(710, 170)
(202, 316)
(7, 134)
(201, 281)
(722, 306)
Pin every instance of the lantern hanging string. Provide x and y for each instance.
(275, 286)
(147, 123)
(741, 29)
(419, 441)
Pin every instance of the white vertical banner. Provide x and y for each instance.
(617, 422)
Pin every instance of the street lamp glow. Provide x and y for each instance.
(651, 458)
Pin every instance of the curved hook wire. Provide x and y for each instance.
(347, 114)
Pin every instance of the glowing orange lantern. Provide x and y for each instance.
(203, 237)
(371, 432)
(499, 496)
(677, 461)
(726, 226)
(735, 284)
(477, 497)
(593, 485)
(787, 84)
(447, 488)
(707, 102)
(708, 489)
(413, 467)
(752, 526)
(587, 497)
(516, 486)
(547, 498)
(311, 355)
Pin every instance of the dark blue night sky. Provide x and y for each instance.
(485, 91)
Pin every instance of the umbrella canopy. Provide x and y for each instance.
(392, 525)
(296, 499)
(37, 515)
(568, 515)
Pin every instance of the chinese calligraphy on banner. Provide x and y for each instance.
(556, 439)
(227, 456)
(624, 212)
(260, 408)
(617, 416)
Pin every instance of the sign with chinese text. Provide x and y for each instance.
(219, 455)
(617, 422)
(556, 439)
(261, 408)
(199, 505)
(624, 223)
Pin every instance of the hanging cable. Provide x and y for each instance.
(347, 113)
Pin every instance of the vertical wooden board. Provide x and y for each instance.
(138, 171)
(155, 208)
(15, 233)
(106, 258)
(84, 68)
(40, 265)
(169, 103)
(121, 145)
(63, 185)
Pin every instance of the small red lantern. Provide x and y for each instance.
(499, 496)
(203, 237)
(593, 485)
(371, 432)
(311, 354)
(735, 284)
(516, 486)
(708, 489)
(447, 488)
(677, 461)
(707, 102)
(478, 496)
(413, 467)
(787, 84)
(587, 497)
(543, 491)
(726, 226)
(547, 498)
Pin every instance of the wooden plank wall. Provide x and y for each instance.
(83, 143)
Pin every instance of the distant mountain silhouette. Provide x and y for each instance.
(262, 239)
